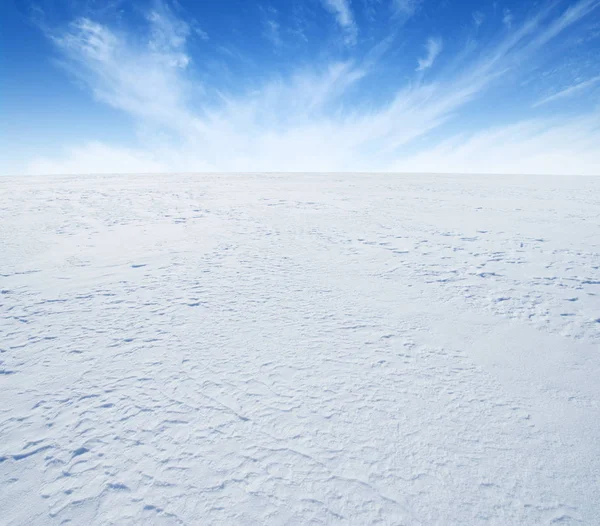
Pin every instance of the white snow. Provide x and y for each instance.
(299, 349)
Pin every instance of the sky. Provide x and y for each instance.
(118, 86)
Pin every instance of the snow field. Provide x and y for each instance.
(299, 349)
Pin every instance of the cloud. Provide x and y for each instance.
(95, 157)
(271, 26)
(572, 14)
(272, 32)
(344, 17)
(168, 34)
(478, 18)
(433, 47)
(306, 120)
(507, 18)
(540, 146)
(145, 80)
(407, 8)
(569, 92)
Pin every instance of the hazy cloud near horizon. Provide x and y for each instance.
(332, 85)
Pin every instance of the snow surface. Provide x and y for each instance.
(299, 349)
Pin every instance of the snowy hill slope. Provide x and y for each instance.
(299, 349)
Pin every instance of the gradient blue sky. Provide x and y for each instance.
(313, 85)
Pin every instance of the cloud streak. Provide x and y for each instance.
(535, 146)
(144, 81)
(344, 17)
(303, 121)
(433, 48)
(406, 8)
(507, 18)
(569, 92)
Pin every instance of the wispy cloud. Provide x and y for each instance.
(142, 80)
(570, 91)
(406, 8)
(271, 26)
(542, 146)
(95, 157)
(301, 121)
(433, 48)
(272, 32)
(507, 18)
(478, 18)
(344, 17)
(572, 14)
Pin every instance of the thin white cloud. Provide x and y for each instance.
(541, 146)
(530, 147)
(95, 157)
(203, 35)
(272, 33)
(406, 8)
(434, 48)
(478, 18)
(570, 91)
(145, 82)
(524, 41)
(344, 17)
(271, 26)
(293, 123)
(507, 18)
(571, 15)
(168, 34)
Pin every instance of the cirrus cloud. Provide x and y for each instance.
(307, 120)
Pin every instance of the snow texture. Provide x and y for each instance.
(299, 349)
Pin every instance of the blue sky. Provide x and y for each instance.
(313, 85)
